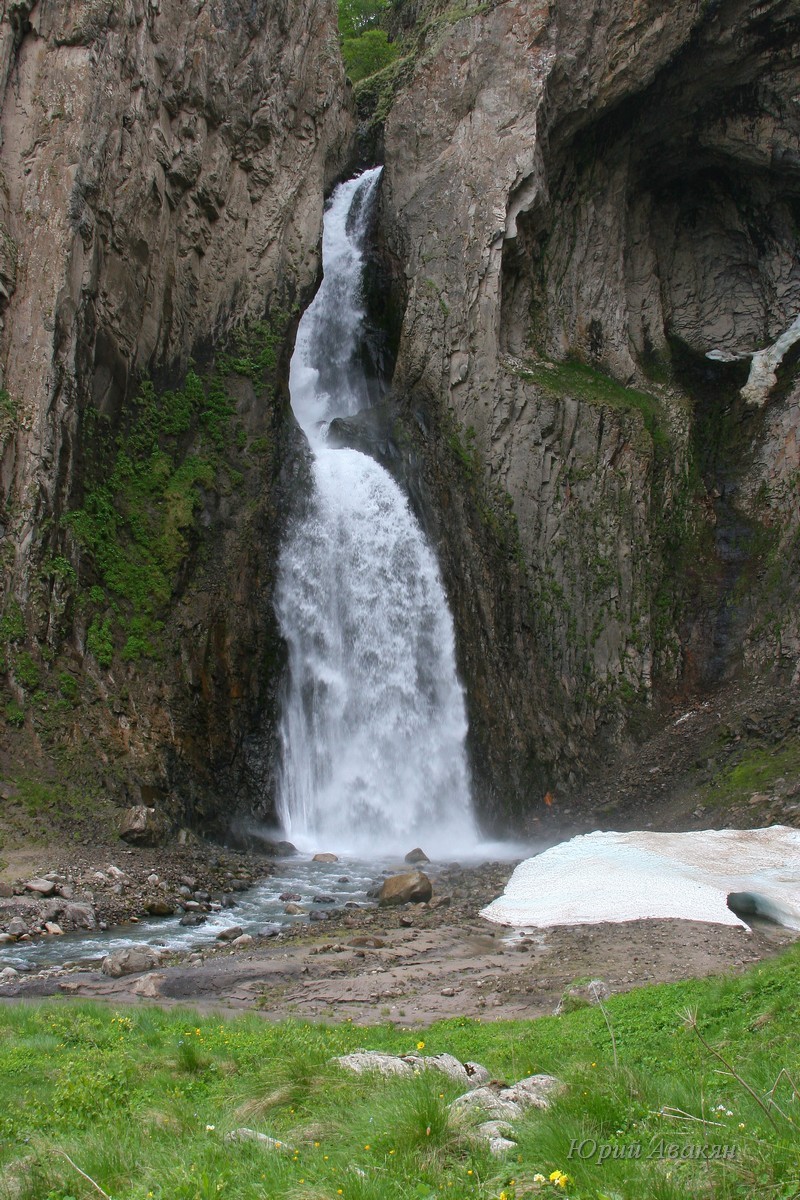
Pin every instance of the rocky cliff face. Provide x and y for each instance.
(162, 171)
(581, 205)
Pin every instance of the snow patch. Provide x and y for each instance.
(619, 877)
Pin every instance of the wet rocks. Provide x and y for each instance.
(293, 910)
(411, 888)
(130, 961)
(285, 896)
(417, 855)
(325, 858)
(323, 899)
(230, 935)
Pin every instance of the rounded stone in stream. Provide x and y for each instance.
(411, 888)
(325, 858)
(228, 935)
(193, 918)
(284, 896)
(324, 900)
(417, 855)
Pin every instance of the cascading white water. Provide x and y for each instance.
(373, 724)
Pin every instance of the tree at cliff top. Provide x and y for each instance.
(365, 46)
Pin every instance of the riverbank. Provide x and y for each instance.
(419, 963)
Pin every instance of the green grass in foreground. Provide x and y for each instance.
(141, 1101)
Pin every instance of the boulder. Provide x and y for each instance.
(325, 858)
(8, 975)
(536, 1091)
(17, 927)
(501, 1145)
(142, 826)
(149, 986)
(42, 887)
(469, 1074)
(410, 888)
(293, 910)
(193, 918)
(322, 899)
(131, 961)
(244, 939)
(53, 927)
(484, 1100)
(159, 908)
(284, 896)
(228, 935)
(417, 855)
(364, 1061)
(78, 916)
(272, 849)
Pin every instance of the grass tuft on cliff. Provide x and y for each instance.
(141, 1101)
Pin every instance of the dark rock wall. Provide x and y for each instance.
(583, 204)
(162, 170)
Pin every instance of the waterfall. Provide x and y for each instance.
(373, 722)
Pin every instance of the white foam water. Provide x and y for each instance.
(373, 722)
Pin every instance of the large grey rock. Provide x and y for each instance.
(78, 916)
(17, 927)
(361, 1062)
(471, 1075)
(535, 1091)
(486, 1100)
(42, 887)
(142, 826)
(410, 888)
(131, 961)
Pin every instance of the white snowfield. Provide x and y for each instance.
(629, 876)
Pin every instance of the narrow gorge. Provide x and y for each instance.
(585, 227)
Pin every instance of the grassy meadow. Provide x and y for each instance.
(136, 1104)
